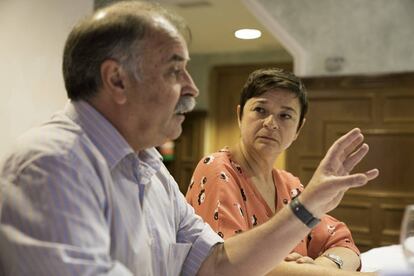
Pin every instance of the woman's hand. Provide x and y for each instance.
(298, 258)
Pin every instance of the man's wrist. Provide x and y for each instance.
(311, 204)
(303, 214)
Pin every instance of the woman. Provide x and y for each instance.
(237, 188)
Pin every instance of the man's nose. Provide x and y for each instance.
(189, 87)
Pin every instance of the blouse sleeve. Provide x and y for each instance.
(215, 194)
(330, 233)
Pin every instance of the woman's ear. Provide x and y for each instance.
(300, 128)
(238, 115)
(114, 80)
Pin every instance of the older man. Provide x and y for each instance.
(87, 193)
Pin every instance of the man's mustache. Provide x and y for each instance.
(185, 104)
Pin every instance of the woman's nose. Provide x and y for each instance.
(270, 122)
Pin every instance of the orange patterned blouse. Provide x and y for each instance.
(222, 195)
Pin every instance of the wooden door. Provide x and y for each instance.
(383, 107)
(188, 149)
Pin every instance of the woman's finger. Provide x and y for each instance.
(293, 257)
(305, 260)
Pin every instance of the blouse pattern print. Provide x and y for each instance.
(221, 194)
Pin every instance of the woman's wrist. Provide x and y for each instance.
(323, 261)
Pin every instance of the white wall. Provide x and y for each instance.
(33, 33)
(336, 37)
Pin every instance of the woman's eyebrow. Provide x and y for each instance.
(289, 108)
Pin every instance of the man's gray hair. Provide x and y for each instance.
(115, 32)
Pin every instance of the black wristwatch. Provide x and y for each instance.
(334, 258)
(303, 214)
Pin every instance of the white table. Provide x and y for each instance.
(388, 260)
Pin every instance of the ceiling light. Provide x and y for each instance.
(247, 34)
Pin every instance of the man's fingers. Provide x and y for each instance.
(355, 180)
(354, 144)
(371, 174)
(351, 181)
(353, 159)
(345, 144)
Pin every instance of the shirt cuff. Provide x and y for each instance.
(200, 249)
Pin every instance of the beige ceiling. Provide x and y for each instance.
(213, 23)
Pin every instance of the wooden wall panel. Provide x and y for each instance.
(383, 107)
(188, 149)
(399, 108)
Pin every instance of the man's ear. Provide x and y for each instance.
(114, 79)
(298, 131)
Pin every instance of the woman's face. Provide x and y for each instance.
(270, 121)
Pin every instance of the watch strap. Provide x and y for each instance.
(334, 258)
(303, 214)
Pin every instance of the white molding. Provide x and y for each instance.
(280, 33)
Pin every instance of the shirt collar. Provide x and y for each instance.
(152, 157)
(102, 133)
(148, 163)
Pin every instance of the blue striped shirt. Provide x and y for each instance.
(77, 200)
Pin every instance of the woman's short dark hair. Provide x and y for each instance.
(263, 80)
(114, 32)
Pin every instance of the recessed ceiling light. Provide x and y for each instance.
(247, 34)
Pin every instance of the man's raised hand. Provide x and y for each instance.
(333, 176)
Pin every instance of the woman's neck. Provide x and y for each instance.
(253, 163)
(259, 172)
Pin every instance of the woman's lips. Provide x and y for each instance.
(268, 138)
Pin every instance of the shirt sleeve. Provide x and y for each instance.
(193, 230)
(215, 194)
(53, 219)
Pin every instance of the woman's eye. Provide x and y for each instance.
(259, 110)
(285, 116)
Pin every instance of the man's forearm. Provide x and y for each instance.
(295, 269)
(259, 250)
